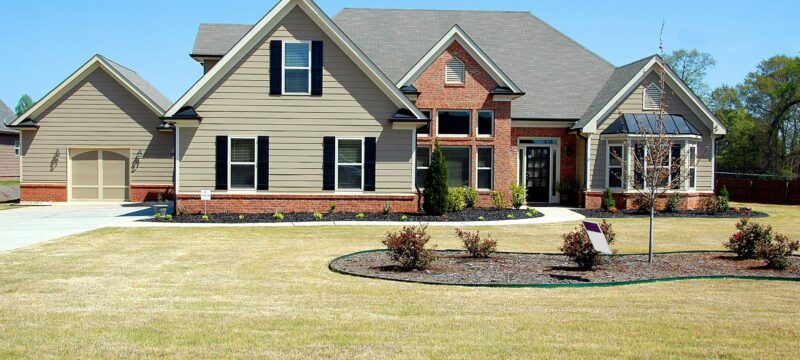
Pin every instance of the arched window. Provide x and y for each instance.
(454, 72)
(652, 97)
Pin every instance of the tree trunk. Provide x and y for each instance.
(652, 218)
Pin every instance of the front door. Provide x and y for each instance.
(537, 174)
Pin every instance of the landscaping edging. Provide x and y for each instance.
(603, 214)
(332, 266)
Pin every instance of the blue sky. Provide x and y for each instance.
(46, 40)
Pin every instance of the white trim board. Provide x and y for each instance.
(263, 27)
(458, 35)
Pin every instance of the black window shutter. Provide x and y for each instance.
(316, 68)
(275, 67)
(221, 179)
(329, 163)
(262, 163)
(369, 163)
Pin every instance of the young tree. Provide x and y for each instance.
(691, 66)
(436, 188)
(25, 102)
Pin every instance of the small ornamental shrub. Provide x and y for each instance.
(205, 218)
(360, 216)
(608, 200)
(455, 200)
(777, 252)
(519, 195)
(332, 208)
(408, 247)
(404, 218)
(481, 218)
(168, 217)
(470, 196)
(157, 216)
(476, 246)
(748, 237)
(675, 202)
(241, 217)
(530, 214)
(723, 199)
(387, 208)
(579, 249)
(317, 216)
(498, 200)
(709, 205)
(746, 211)
(436, 190)
(641, 203)
(182, 211)
(510, 216)
(613, 211)
(277, 216)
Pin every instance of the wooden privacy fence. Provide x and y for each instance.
(761, 190)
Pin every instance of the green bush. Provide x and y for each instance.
(404, 218)
(387, 208)
(470, 196)
(168, 217)
(205, 217)
(481, 218)
(510, 217)
(748, 237)
(476, 246)
(317, 216)
(709, 205)
(332, 208)
(408, 247)
(498, 200)
(277, 216)
(360, 216)
(182, 211)
(608, 200)
(777, 252)
(455, 200)
(436, 189)
(531, 213)
(723, 200)
(519, 195)
(579, 248)
(241, 217)
(675, 202)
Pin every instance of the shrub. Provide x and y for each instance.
(476, 246)
(531, 213)
(579, 249)
(723, 199)
(675, 202)
(168, 217)
(157, 216)
(709, 205)
(317, 216)
(455, 200)
(387, 208)
(404, 218)
(748, 237)
(519, 195)
(332, 208)
(182, 211)
(510, 216)
(470, 196)
(613, 211)
(641, 203)
(360, 216)
(408, 247)
(498, 200)
(277, 216)
(777, 252)
(205, 218)
(481, 218)
(436, 189)
(608, 200)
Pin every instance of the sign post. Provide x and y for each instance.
(597, 237)
(205, 197)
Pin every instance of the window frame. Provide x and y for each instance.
(17, 147)
(645, 103)
(430, 115)
(668, 166)
(336, 163)
(691, 166)
(478, 168)
(439, 127)
(462, 75)
(231, 163)
(284, 67)
(622, 166)
(469, 162)
(417, 166)
(478, 124)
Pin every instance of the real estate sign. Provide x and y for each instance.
(597, 237)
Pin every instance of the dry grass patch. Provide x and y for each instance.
(266, 292)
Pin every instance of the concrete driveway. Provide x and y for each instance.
(35, 224)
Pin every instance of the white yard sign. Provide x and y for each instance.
(597, 237)
(205, 195)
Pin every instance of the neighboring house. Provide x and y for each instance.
(9, 145)
(98, 136)
(300, 111)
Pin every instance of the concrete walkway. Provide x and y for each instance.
(35, 224)
(551, 215)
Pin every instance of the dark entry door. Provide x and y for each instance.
(538, 174)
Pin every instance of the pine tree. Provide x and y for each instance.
(25, 102)
(436, 184)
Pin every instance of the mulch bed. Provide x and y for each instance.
(470, 214)
(457, 268)
(632, 213)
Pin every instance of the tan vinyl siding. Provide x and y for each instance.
(9, 163)
(97, 113)
(633, 104)
(351, 106)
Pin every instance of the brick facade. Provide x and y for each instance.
(568, 148)
(43, 192)
(594, 200)
(269, 203)
(149, 192)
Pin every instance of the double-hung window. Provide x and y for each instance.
(692, 176)
(458, 165)
(485, 123)
(350, 164)
(425, 130)
(423, 162)
(615, 172)
(242, 162)
(16, 147)
(297, 67)
(453, 123)
(485, 167)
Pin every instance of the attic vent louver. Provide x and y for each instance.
(652, 97)
(454, 72)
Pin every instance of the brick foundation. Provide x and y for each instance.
(149, 192)
(269, 203)
(594, 200)
(43, 192)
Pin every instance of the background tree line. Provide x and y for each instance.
(762, 113)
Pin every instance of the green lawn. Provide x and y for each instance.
(266, 292)
(9, 182)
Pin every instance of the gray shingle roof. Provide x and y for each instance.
(621, 76)
(139, 82)
(6, 117)
(217, 39)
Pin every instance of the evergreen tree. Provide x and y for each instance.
(24, 103)
(436, 189)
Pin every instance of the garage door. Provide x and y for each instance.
(99, 175)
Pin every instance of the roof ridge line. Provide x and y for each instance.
(441, 10)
